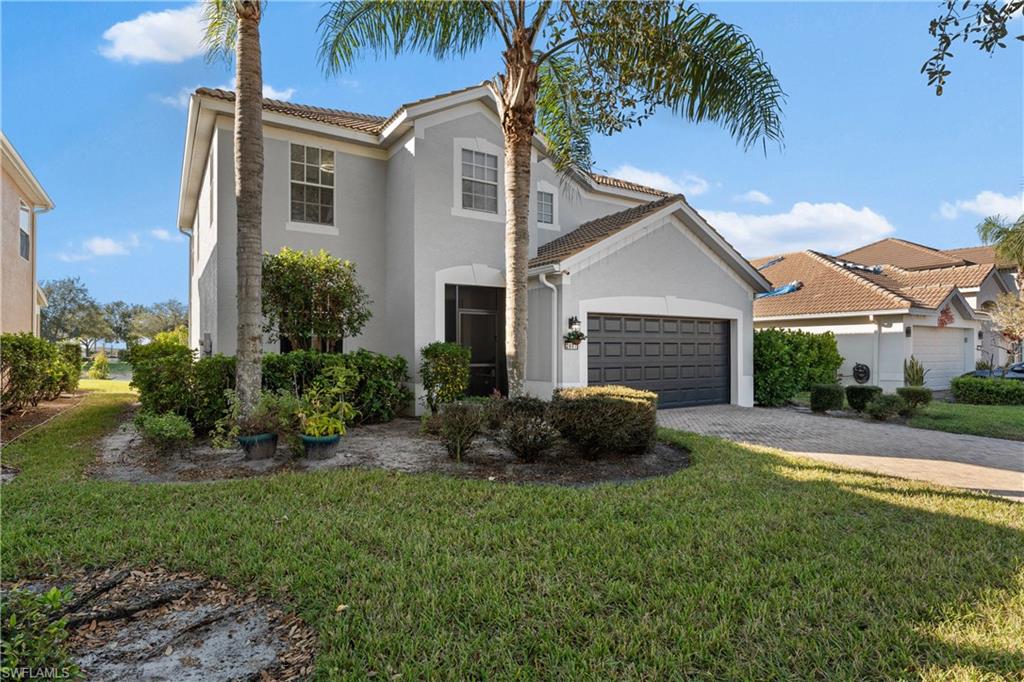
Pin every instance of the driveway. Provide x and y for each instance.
(990, 464)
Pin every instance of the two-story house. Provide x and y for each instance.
(23, 199)
(416, 200)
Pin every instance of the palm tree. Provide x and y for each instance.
(233, 27)
(1008, 239)
(571, 68)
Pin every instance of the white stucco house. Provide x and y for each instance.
(888, 301)
(416, 200)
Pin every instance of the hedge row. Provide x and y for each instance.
(603, 419)
(32, 370)
(170, 379)
(982, 391)
(787, 362)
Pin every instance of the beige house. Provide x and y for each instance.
(22, 200)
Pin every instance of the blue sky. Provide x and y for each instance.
(92, 97)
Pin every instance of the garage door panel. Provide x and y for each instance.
(942, 352)
(685, 361)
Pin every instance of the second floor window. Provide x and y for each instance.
(479, 181)
(545, 207)
(312, 185)
(25, 225)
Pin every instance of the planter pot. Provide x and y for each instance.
(320, 447)
(259, 445)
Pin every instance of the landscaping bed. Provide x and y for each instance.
(17, 423)
(395, 446)
(157, 624)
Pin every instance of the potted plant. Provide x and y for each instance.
(321, 432)
(573, 338)
(326, 412)
(257, 433)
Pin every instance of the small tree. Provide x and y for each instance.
(71, 312)
(1008, 319)
(160, 317)
(120, 316)
(312, 297)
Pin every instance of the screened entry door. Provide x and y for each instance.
(475, 318)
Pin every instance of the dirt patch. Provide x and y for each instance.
(396, 446)
(14, 425)
(159, 625)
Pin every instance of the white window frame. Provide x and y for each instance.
(302, 226)
(544, 186)
(476, 144)
(26, 211)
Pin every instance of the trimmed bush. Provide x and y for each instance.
(604, 419)
(33, 634)
(915, 396)
(460, 424)
(100, 368)
(859, 396)
(825, 397)
(527, 435)
(444, 368)
(381, 391)
(32, 369)
(164, 431)
(786, 362)
(211, 377)
(984, 391)
(72, 354)
(884, 406)
(162, 374)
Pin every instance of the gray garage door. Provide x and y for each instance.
(684, 360)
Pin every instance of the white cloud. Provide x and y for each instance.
(687, 183)
(180, 99)
(170, 36)
(166, 235)
(99, 247)
(753, 197)
(984, 204)
(828, 227)
(104, 246)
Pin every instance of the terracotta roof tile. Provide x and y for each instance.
(980, 254)
(366, 123)
(901, 253)
(626, 184)
(592, 232)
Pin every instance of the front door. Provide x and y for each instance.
(475, 318)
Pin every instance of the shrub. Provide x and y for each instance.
(275, 412)
(162, 374)
(460, 424)
(100, 368)
(381, 391)
(983, 391)
(786, 362)
(603, 419)
(885, 405)
(296, 371)
(859, 396)
(826, 397)
(444, 368)
(211, 377)
(983, 365)
(178, 335)
(430, 424)
(32, 369)
(72, 355)
(33, 634)
(494, 411)
(527, 435)
(913, 372)
(164, 431)
(915, 396)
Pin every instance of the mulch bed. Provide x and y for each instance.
(395, 446)
(155, 624)
(14, 425)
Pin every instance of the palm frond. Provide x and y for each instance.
(563, 116)
(389, 27)
(1006, 237)
(220, 29)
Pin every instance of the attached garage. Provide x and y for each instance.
(942, 352)
(686, 361)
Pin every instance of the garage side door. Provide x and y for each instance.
(942, 352)
(686, 361)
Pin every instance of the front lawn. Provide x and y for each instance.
(996, 421)
(748, 564)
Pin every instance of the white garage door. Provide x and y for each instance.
(942, 352)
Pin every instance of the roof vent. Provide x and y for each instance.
(782, 290)
(874, 269)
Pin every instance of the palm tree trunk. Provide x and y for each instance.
(518, 112)
(249, 203)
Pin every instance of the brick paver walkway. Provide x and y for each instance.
(990, 464)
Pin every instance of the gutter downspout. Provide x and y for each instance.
(875, 354)
(554, 329)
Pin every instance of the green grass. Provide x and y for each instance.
(996, 421)
(748, 564)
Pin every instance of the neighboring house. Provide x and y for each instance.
(23, 199)
(416, 200)
(888, 301)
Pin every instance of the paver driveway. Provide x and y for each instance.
(990, 464)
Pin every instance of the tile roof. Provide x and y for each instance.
(904, 254)
(980, 254)
(592, 232)
(374, 125)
